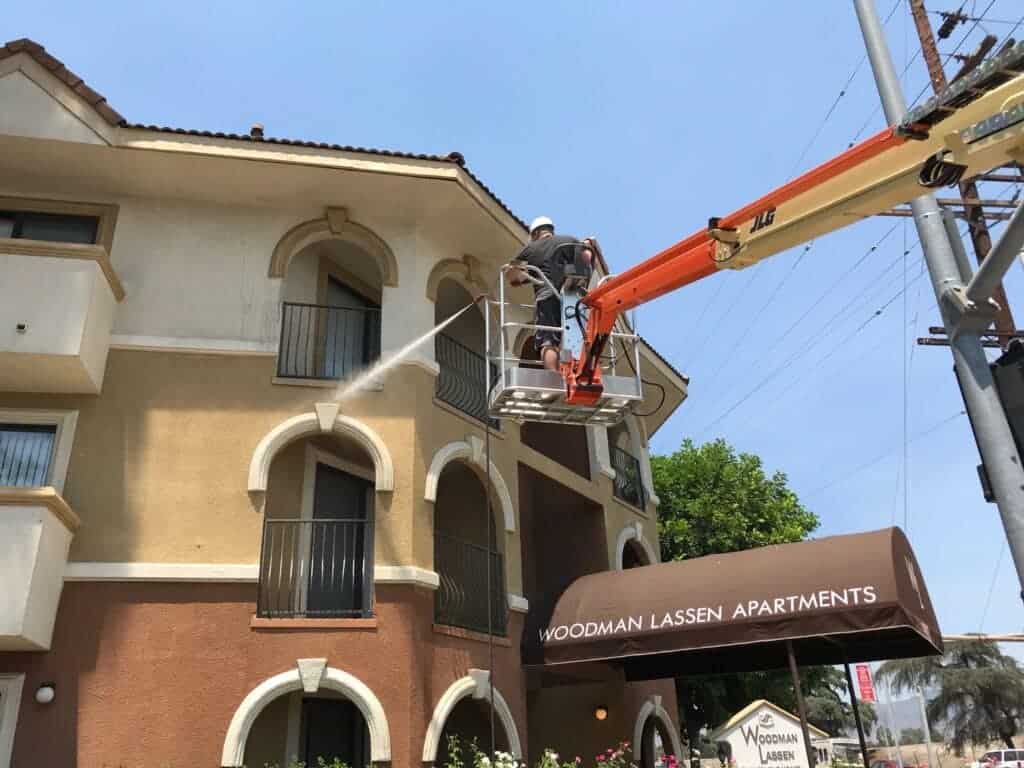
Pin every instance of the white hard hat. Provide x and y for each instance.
(541, 221)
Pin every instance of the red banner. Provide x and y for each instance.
(867, 687)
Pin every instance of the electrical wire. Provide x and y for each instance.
(992, 586)
(887, 454)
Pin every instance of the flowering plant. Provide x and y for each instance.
(616, 758)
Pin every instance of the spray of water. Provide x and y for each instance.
(382, 367)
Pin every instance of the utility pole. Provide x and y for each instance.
(963, 314)
(975, 214)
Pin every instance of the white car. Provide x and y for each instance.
(1001, 758)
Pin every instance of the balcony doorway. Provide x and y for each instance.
(330, 314)
(463, 553)
(316, 560)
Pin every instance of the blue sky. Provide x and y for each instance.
(636, 125)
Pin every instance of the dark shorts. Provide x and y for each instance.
(548, 312)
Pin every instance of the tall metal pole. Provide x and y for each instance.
(995, 440)
(801, 707)
(856, 716)
(892, 722)
(932, 762)
(975, 214)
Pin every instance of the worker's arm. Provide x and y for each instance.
(517, 275)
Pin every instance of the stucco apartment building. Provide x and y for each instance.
(206, 558)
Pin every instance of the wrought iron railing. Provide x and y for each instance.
(324, 342)
(317, 568)
(629, 484)
(461, 599)
(460, 382)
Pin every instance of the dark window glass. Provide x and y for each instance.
(53, 227)
(25, 453)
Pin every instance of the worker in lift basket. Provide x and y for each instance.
(548, 252)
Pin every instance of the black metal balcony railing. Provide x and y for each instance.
(316, 568)
(324, 342)
(460, 382)
(629, 484)
(461, 599)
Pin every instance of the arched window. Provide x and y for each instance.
(330, 314)
(459, 351)
(625, 458)
(463, 553)
(310, 711)
(316, 560)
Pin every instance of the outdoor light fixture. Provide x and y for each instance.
(45, 693)
(601, 713)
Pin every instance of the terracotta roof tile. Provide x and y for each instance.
(112, 116)
(56, 66)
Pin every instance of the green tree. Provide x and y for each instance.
(827, 710)
(714, 500)
(980, 691)
(884, 737)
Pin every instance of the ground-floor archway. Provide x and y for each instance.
(464, 710)
(344, 704)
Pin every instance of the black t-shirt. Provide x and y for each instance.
(544, 254)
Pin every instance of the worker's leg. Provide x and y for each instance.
(548, 312)
(550, 357)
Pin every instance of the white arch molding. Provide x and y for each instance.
(652, 708)
(335, 225)
(477, 685)
(471, 451)
(353, 689)
(633, 532)
(326, 418)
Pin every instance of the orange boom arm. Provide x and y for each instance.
(976, 125)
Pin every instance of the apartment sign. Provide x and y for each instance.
(767, 737)
(689, 616)
(865, 684)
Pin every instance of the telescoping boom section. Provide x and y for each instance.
(975, 125)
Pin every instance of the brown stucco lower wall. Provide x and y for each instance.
(151, 674)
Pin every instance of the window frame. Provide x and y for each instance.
(63, 439)
(11, 686)
(105, 213)
(18, 224)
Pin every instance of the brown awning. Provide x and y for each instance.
(859, 597)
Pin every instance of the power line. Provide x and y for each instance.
(868, 464)
(992, 586)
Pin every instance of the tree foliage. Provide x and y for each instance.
(980, 691)
(714, 500)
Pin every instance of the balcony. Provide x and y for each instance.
(36, 528)
(628, 484)
(460, 382)
(324, 342)
(56, 312)
(461, 598)
(316, 569)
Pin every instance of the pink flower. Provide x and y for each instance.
(578, 759)
(609, 752)
(600, 758)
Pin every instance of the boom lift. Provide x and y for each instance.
(974, 126)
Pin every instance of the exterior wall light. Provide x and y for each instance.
(45, 693)
(601, 713)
